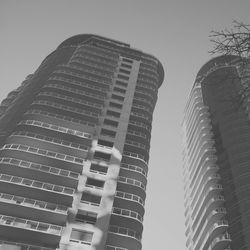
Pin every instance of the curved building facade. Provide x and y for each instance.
(216, 156)
(75, 140)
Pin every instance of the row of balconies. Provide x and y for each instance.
(42, 205)
(56, 128)
(39, 167)
(134, 168)
(125, 231)
(58, 116)
(76, 101)
(90, 70)
(98, 53)
(96, 80)
(92, 116)
(91, 87)
(23, 246)
(51, 140)
(93, 100)
(43, 152)
(95, 59)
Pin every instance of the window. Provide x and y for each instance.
(115, 105)
(98, 168)
(124, 71)
(123, 91)
(123, 77)
(113, 113)
(102, 156)
(95, 182)
(117, 97)
(91, 198)
(82, 236)
(107, 132)
(105, 143)
(126, 65)
(127, 60)
(84, 216)
(123, 84)
(111, 123)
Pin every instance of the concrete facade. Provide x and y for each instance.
(75, 140)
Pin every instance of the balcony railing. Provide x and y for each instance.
(131, 182)
(40, 167)
(66, 108)
(24, 246)
(131, 197)
(134, 168)
(33, 203)
(137, 156)
(127, 213)
(30, 225)
(61, 117)
(125, 231)
(51, 140)
(56, 128)
(51, 154)
(36, 184)
(70, 99)
(75, 91)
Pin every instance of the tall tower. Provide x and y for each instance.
(216, 157)
(75, 139)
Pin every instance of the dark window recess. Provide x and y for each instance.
(119, 90)
(123, 84)
(102, 156)
(105, 143)
(124, 71)
(117, 97)
(99, 168)
(79, 235)
(94, 182)
(88, 197)
(108, 132)
(127, 60)
(126, 66)
(88, 217)
(115, 105)
(111, 123)
(113, 113)
(123, 77)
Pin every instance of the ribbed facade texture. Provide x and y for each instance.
(216, 131)
(75, 139)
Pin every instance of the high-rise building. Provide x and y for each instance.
(216, 130)
(75, 139)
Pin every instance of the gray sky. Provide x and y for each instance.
(175, 31)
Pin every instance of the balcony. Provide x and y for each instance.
(53, 127)
(18, 206)
(28, 231)
(126, 218)
(131, 188)
(38, 113)
(53, 158)
(33, 189)
(85, 82)
(67, 110)
(71, 101)
(129, 201)
(135, 159)
(14, 166)
(124, 237)
(50, 143)
(220, 242)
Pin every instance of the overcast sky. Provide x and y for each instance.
(175, 31)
